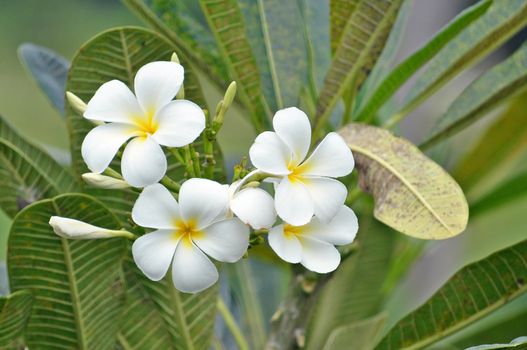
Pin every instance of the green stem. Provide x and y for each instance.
(231, 325)
(170, 184)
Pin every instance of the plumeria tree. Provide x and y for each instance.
(149, 239)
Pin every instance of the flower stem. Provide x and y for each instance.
(231, 325)
(170, 184)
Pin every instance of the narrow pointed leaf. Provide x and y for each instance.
(362, 42)
(501, 21)
(352, 295)
(491, 89)
(471, 294)
(406, 69)
(362, 334)
(27, 173)
(14, 313)
(339, 14)
(227, 25)
(498, 149)
(76, 283)
(518, 344)
(412, 194)
(49, 70)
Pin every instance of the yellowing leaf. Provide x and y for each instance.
(412, 194)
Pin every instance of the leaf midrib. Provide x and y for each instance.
(412, 189)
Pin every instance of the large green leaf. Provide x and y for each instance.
(227, 24)
(352, 295)
(497, 151)
(471, 294)
(487, 92)
(502, 20)
(76, 284)
(362, 334)
(397, 77)
(14, 313)
(27, 173)
(362, 42)
(412, 194)
(48, 69)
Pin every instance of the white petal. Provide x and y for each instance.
(327, 194)
(293, 127)
(113, 102)
(332, 157)
(192, 271)
(153, 253)
(342, 229)
(180, 123)
(204, 201)
(270, 154)
(319, 256)
(144, 162)
(157, 83)
(255, 207)
(156, 208)
(102, 143)
(225, 240)
(288, 248)
(293, 202)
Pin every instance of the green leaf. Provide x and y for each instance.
(339, 13)
(406, 69)
(76, 283)
(404, 183)
(362, 334)
(487, 92)
(14, 313)
(227, 24)
(501, 21)
(471, 294)
(142, 327)
(352, 295)
(497, 150)
(512, 189)
(519, 343)
(49, 70)
(362, 42)
(27, 173)
(177, 22)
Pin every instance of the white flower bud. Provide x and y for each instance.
(103, 181)
(76, 103)
(75, 229)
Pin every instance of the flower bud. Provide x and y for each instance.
(229, 95)
(174, 58)
(76, 103)
(75, 229)
(103, 181)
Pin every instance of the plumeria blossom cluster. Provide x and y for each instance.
(200, 219)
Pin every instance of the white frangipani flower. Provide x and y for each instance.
(252, 205)
(312, 245)
(305, 187)
(150, 117)
(186, 232)
(75, 229)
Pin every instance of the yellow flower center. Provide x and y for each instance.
(297, 172)
(186, 231)
(147, 125)
(291, 231)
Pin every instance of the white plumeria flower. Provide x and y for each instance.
(304, 187)
(312, 245)
(150, 117)
(186, 231)
(252, 205)
(76, 229)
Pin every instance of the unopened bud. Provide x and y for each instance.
(229, 95)
(103, 181)
(75, 229)
(174, 58)
(76, 103)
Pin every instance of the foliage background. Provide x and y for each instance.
(64, 25)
